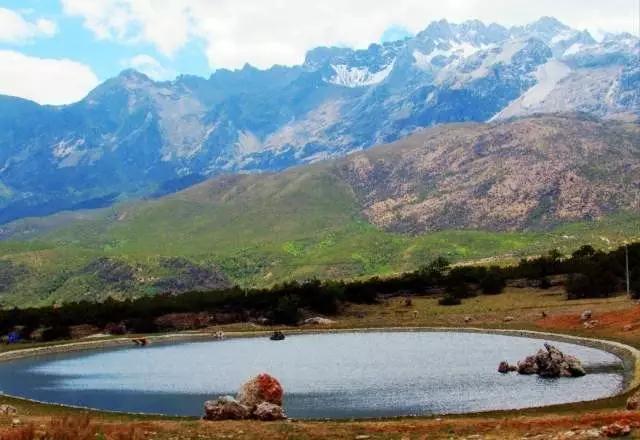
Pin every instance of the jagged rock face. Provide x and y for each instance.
(527, 173)
(135, 137)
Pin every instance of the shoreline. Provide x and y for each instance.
(629, 356)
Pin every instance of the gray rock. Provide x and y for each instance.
(503, 368)
(551, 362)
(225, 408)
(268, 411)
(318, 320)
(528, 365)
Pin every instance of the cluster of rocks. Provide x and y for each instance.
(587, 320)
(8, 410)
(549, 362)
(260, 398)
(614, 430)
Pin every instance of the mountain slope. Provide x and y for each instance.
(466, 191)
(133, 137)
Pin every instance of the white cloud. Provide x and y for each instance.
(150, 67)
(281, 31)
(46, 81)
(14, 28)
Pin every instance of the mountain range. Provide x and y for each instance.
(467, 191)
(132, 137)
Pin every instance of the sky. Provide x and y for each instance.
(56, 51)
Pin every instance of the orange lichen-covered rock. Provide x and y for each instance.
(262, 388)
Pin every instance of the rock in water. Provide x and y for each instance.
(551, 362)
(268, 411)
(528, 365)
(575, 366)
(225, 408)
(262, 388)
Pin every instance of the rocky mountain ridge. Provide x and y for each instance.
(133, 137)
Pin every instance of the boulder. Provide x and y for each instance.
(262, 388)
(318, 320)
(225, 408)
(617, 429)
(575, 366)
(8, 410)
(266, 411)
(508, 319)
(591, 324)
(586, 315)
(528, 365)
(551, 362)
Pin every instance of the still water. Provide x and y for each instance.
(349, 375)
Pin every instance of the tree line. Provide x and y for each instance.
(587, 273)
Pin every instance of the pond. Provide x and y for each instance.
(342, 375)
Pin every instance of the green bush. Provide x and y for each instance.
(493, 283)
(449, 300)
(286, 311)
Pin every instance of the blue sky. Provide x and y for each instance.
(54, 51)
(106, 57)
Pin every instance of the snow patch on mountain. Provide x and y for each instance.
(353, 77)
(65, 148)
(574, 49)
(460, 50)
(547, 76)
(564, 36)
(247, 143)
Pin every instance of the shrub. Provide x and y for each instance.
(493, 283)
(545, 283)
(449, 300)
(286, 311)
(592, 284)
(55, 333)
(460, 291)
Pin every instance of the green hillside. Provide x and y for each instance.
(256, 230)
